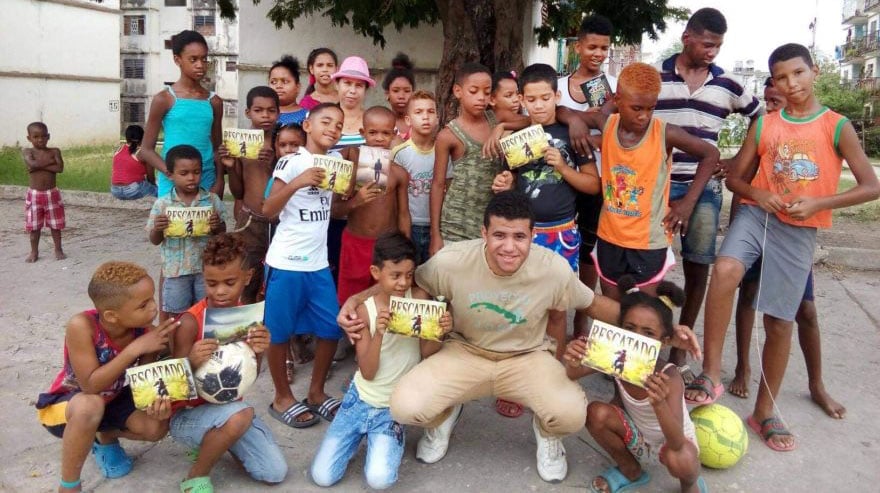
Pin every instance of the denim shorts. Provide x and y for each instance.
(421, 236)
(698, 245)
(355, 420)
(256, 449)
(134, 190)
(182, 292)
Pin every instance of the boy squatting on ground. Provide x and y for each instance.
(416, 156)
(374, 209)
(182, 256)
(807, 317)
(214, 429)
(88, 405)
(637, 220)
(42, 204)
(247, 182)
(300, 295)
(383, 358)
(801, 150)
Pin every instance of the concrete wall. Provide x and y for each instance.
(60, 64)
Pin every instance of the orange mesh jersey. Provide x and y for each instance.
(635, 188)
(799, 158)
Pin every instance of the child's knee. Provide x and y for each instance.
(272, 472)
(683, 463)
(322, 475)
(728, 270)
(85, 409)
(239, 423)
(155, 430)
(380, 477)
(598, 415)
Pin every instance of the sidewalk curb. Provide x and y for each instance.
(82, 199)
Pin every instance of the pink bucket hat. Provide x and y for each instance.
(354, 67)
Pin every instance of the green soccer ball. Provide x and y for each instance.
(721, 436)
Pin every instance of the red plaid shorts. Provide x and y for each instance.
(43, 208)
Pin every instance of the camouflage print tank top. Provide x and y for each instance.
(470, 190)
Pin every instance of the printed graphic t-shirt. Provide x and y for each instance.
(300, 241)
(420, 166)
(552, 198)
(501, 314)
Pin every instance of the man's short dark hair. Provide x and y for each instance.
(262, 92)
(394, 247)
(595, 24)
(707, 19)
(538, 72)
(182, 151)
(510, 205)
(787, 52)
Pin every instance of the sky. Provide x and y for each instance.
(756, 27)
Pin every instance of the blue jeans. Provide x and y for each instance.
(256, 449)
(698, 245)
(355, 420)
(421, 236)
(182, 292)
(134, 190)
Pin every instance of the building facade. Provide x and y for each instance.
(59, 66)
(146, 63)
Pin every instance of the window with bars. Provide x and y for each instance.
(231, 66)
(133, 68)
(204, 24)
(133, 25)
(133, 112)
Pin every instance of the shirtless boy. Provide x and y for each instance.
(42, 205)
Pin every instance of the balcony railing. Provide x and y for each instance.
(872, 5)
(870, 84)
(854, 17)
(859, 47)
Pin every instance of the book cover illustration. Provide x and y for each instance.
(243, 142)
(172, 378)
(337, 178)
(621, 353)
(374, 163)
(416, 318)
(232, 324)
(597, 90)
(525, 146)
(188, 221)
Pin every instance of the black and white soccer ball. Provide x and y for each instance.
(228, 374)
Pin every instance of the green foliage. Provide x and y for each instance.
(848, 101)
(85, 168)
(733, 132)
(675, 47)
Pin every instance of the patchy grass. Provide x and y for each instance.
(85, 168)
(868, 212)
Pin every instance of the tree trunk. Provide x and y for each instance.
(485, 31)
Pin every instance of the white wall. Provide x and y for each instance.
(65, 47)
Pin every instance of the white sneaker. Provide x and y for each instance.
(552, 465)
(435, 441)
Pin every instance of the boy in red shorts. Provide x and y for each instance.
(42, 204)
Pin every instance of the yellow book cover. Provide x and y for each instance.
(416, 318)
(374, 163)
(172, 378)
(337, 178)
(620, 353)
(188, 221)
(524, 147)
(243, 142)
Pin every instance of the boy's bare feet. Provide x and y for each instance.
(826, 402)
(59, 255)
(33, 257)
(739, 386)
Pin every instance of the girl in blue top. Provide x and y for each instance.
(189, 114)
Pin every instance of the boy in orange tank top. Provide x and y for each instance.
(637, 220)
(801, 150)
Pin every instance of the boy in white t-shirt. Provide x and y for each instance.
(300, 295)
(592, 45)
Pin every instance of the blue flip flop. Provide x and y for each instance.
(618, 483)
(111, 459)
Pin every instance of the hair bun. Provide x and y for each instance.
(627, 284)
(402, 61)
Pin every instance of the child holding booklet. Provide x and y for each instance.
(641, 426)
(182, 256)
(247, 182)
(88, 404)
(383, 358)
(214, 429)
(300, 296)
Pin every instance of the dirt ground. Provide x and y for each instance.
(488, 453)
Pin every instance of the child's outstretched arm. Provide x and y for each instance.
(680, 210)
(369, 345)
(585, 179)
(665, 393)
(867, 187)
(90, 374)
(282, 192)
(146, 153)
(578, 130)
(186, 346)
(442, 150)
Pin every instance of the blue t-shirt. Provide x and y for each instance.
(293, 117)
